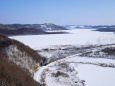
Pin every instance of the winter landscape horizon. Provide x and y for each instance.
(59, 48)
(57, 43)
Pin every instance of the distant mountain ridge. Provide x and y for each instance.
(45, 26)
(49, 26)
(107, 29)
(90, 27)
(28, 29)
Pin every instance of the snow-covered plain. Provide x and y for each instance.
(76, 37)
(96, 76)
(76, 68)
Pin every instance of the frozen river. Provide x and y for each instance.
(96, 76)
(76, 37)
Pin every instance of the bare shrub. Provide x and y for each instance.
(59, 73)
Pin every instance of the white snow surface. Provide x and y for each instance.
(96, 76)
(71, 71)
(58, 74)
(76, 37)
(78, 69)
(93, 61)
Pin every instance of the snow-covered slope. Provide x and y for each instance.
(20, 58)
(67, 72)
(50, 26)
(13, 75)
(58, 74)
(20, 54)
(17, 63)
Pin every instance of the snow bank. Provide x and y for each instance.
(58, 74)
(72, 72)
(95, 61)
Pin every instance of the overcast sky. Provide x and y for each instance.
(61, 12)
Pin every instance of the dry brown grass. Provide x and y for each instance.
(59, 73)
(13, 75)
(5, 42)
(32, 53)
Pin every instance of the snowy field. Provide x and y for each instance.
(77, 69)
(74, 70)
(96, 76)
(76, 37)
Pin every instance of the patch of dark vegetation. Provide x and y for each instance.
(108, 29)
(56, 33)
(4, 41)
(21, 31)
(59, 73)
(109, 50)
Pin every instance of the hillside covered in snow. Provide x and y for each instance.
(18, 63)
